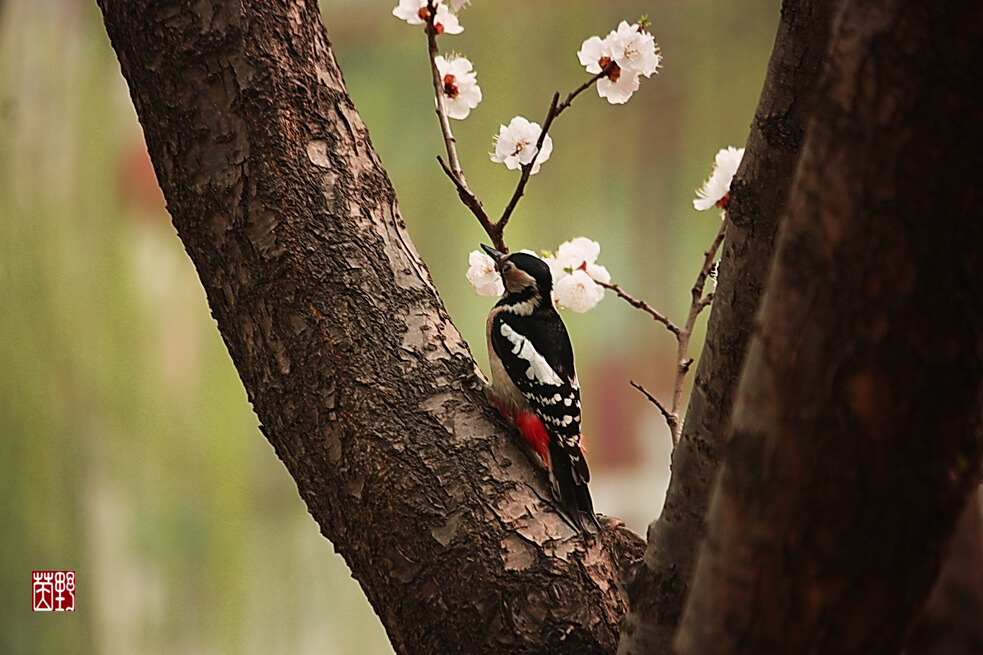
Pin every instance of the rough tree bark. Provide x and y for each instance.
(659, 583)
(857, 431)
(360, 381)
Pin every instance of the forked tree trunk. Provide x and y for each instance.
(372, 400)
(361, 382)
(857, 431)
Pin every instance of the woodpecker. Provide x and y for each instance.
(534, 383)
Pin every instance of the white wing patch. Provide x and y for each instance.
(539, 369)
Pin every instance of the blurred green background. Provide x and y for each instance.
(129, 451)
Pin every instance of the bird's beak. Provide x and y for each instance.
(494, 254)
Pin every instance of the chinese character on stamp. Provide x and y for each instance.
(54, 591)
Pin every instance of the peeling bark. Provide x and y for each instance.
(361, 382)
(659, 584)
(857, 432)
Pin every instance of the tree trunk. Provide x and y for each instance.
(856, 434)
(361, 382)
(952, 621)
(659, 583)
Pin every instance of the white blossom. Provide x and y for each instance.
(556, 269)
(416, 12)
(577, 252)
(634, 50)
(575, 274)
(626, 54)
(598, 273)
(458, 86)
(456, 5)
(595, 54)
(483, 275)
(577, 291)
(515, 145)
(716, 190)
(617, 89)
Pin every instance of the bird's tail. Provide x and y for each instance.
(569, 476)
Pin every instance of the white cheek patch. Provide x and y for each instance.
(539, 369)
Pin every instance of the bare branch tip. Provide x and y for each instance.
(669, 416)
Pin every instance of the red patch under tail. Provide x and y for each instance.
(535, 435)
(532, 429)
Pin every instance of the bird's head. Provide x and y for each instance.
(522, 274)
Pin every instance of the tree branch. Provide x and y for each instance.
(450, 143)
(683, 337)
(555, 109)
(670, 418)
(858, 412)
(359, 379)
(454, 171)
(471, 202)
(644, 306)
(660, 582)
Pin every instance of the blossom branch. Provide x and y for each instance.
(450, 143)
(471, 202)
(698, 304)
(555, 109)
(683, 334)
(453, 165)
(644, 306)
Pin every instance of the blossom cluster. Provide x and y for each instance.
(624, 56)
(715, 192)
(575, 270)
(459, 88)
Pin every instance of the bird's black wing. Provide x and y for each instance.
(538, 357)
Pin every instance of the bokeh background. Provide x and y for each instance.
(128, 451)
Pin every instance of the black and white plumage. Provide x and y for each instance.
(533, 377)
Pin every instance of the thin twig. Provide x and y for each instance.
(450, 143)
(644, 306)
(698, 304)
(708, 259)
(683, 335)
(671, 419)
(471, 202)
(453, 165)
(707, 299)
(555, 109)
